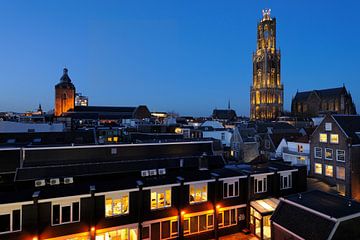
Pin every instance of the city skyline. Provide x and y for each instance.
(187, 58)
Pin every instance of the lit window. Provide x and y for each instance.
(65, 212)
(160, 198)
(334, 138)
(340, 155)
(116, 139)
(328, 170)
(328, 153)
(318, 168)
(227, 217)
(323, 137)
(317, 152)
(198, 192)
(340, 173)
(116, 204)
(260, 184)
(285, 180)
(10, 220)
(231, 188)
(198, 223)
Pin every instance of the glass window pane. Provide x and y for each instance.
(231, 190)
(329, 170)
(318, 168)
(65, 214)
(340, 173)
(108, 207)
(334, 138)
(225, 190)
(210, 220)
(194, 224)
(323, 137)
(161, 200)
(226, 217)
(153, 200)
(220, 219)
(174, 227)
(145, 232)
(125, 204)
(186, 225)
(168, 198)
(76, 211)
(5, 223)
(233, 216)
(202, 223)
(16, 220)
(236, 188)
(165, 229)
(56, 214)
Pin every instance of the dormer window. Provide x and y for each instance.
(260, 184)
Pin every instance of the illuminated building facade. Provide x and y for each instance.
(64, 94)
(266, 92)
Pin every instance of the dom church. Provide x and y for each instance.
(266, 92)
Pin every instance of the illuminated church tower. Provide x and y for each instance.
(266, 92)
(64, 94)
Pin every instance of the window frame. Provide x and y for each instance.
(159, 190)
(321, 173)
(337, 170)
(235, 185)
(196, 186)
(263, 180)
(337, 155)
(288, 176)
(317, 156)
(333, 134)
(62, 204)
(332, 154)
(116, 196)
(10, 211)
(320, 137)
(332, 170)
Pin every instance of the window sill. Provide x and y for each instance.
(118, 215)
(194, 203)
(58, 224)
(10, 232)
(157, 209)
(231, 197)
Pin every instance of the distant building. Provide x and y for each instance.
(266, 92)
(316, 215)
(296, 151)
(22, 127)
(244, 144)
(81, 100)
(224, 114)
(64, 94)
(319, 102)
(334, 153)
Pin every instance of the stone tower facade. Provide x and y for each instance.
(64, 94)
(266, 92)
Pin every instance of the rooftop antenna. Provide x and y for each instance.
(229, 104)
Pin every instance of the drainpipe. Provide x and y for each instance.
(35, 197)
(180, 206)
(92, 225)
(214, 202)
(140, 185)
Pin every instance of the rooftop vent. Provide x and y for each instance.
(153, 172)
(162, 171)
(40, 183)
(68, 180)
(54, 181)
(145, 173)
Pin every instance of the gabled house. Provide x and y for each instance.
(334, 153)
(244, 144)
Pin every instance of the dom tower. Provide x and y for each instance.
(266, 92)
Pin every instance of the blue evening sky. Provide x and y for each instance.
(187, 56)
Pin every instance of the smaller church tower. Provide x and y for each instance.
(64, 94)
